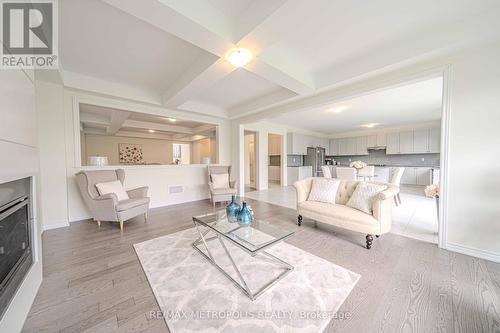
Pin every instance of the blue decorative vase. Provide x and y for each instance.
(232, 210)
(244, 216)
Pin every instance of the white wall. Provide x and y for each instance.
(52, 149)
(19, 159)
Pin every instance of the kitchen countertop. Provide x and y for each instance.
(393, 166)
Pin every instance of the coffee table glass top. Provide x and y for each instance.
(259, 235)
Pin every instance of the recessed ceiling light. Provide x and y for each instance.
(339, 109)
(172, 120)
(370, 125)
(239, 57)
(151, 131)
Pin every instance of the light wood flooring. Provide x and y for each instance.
(93, 281)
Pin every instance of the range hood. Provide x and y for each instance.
(377, 148)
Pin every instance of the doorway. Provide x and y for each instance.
(250, 162)
(275, 150)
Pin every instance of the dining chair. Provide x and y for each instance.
(326, 171)
(346, 173)
(396, 180)
(368, 172)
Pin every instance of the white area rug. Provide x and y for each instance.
(196, 297)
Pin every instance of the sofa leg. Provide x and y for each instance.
(121, 226)
(98, 223)
(377, 236)
(145, 217)
(369, 240)
(299, 220)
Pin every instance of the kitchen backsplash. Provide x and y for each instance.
(295, 160)
(380, 157)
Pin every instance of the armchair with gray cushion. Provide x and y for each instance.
(107, 207)
(221, 194)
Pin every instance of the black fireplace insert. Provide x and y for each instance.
(16, 256)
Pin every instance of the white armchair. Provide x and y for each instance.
(221, 194)
(107, 207)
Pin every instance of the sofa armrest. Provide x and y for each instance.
(301, 187)
(140, 192)
(388, 193)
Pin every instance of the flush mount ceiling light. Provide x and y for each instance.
(371, 125)
(172, 120)
(338, 109)
(151, 131)
(239, 57)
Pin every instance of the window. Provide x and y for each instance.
(181, 153)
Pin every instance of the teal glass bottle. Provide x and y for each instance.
(244, 216)
(232, 210)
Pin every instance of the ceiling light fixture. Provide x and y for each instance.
(151, 131)
(371, 125)
(239, 57)
(172, 120)
(339, 109)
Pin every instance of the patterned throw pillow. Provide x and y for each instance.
(324, 190)
(363, 196)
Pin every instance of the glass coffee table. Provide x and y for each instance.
(253, 240)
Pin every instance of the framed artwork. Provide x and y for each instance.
(130, 153)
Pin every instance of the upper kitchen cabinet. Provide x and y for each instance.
(334, 147)
(361, 145)
(297, 143)
(418, 141)
(434, 140)
(376, 140)
(406, 142)
(392, 143)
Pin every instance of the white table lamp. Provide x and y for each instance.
(97, 160)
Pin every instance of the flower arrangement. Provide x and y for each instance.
(432, 191)
(357, 164)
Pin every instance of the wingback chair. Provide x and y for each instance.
(220, 194)
(107, 207)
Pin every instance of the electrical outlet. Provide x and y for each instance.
(349, 160)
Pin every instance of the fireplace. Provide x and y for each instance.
(16, 255)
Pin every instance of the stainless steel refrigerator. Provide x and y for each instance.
(316, 158)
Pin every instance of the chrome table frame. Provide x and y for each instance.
(242, 284)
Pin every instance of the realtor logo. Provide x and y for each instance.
(29, 34)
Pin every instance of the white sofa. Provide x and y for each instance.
(340, 215)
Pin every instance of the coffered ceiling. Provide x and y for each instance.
(172, 52)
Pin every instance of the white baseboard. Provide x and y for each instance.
(474, 252)
(55, 226)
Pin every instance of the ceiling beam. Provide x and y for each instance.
(157, 127)
(198, 78)
(116, 121)
(205, 30)
(94, 119)
(203, 128)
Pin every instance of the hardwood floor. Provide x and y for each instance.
(93, 281)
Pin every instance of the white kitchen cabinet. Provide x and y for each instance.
(417, 176)
(343, 146)
(434, 140)
(424, 176)
(361, 146)
(409, 176)
(421, 140)
(351, 146)
(406, 142)
(371, 141)
(392, 143)
(297, 144)
(381, 140)
(274, 145)
(334, 147)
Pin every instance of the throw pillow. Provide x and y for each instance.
(220, 180)
(115, 187)
(324, 190)
(363, 196)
